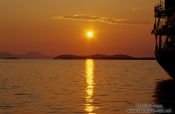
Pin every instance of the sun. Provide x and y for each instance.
(90, 34)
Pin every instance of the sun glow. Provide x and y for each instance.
(90, 34)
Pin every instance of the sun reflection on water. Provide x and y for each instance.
(90, 84)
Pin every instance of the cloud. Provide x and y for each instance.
(108, 20)
(85, 17)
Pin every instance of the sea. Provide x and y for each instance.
(85, 87)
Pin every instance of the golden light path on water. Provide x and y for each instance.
(90, 84)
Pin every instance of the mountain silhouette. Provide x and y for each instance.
(6, 55)
(102, 56)
(96, 56)
(29, 55)
(37, 55)
(34, 55)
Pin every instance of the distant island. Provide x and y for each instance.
(37, 55)
(29, 55)
(103, 57)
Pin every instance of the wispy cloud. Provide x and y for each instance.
(84, 17)
(108, 20)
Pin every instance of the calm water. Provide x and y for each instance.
(82, 86)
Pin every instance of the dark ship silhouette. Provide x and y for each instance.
(164, 31)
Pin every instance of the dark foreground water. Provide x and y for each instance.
(84, 87)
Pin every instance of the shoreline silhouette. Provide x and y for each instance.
(37, 55)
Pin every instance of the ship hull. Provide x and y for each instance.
(166, 58)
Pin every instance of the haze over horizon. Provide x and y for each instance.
(37, 55)
(58, 27)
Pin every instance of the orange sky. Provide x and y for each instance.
(56, 27)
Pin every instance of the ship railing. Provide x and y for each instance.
(164, 26)
(162, 29)
(160, 10)
(167, 45)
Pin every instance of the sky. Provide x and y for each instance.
(55, 27)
